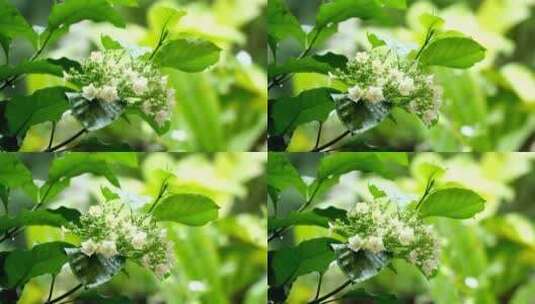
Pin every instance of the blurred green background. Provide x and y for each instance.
(223, 109)
(223, 262)
(487, 108)
(489, 259)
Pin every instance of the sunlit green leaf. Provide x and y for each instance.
(188, 55)
(72, 11)
(30, 67)
(51, 217)
(453, 202)
(189, 209)
(453, 52)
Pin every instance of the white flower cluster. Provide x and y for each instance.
(110, 230)
(115, 76)
(382, 227)
(381, 76)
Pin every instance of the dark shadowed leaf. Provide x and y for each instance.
(94, 114)
(282, 24)
(51, 217)
(30, 67)
(13, 24)
(362, 295)
(359, 117)
(383, 163)
(95, 270)
(315, 217)
(14, 174)
(315, 64)
(362, 265)
(282, 174)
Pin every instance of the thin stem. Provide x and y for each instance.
(318, 137)
(428, 188)
(161, 193)
(318, 289)
(51, 288)
(51, 135)
(66, 142)
(332, 142)
(65, 295)
(332, 293)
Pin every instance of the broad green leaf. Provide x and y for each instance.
(108, 194)
(44, 105)
(162, 15)
(360, 117)
(51, 217)
(362, 295)
(94, 115)
(94, 297)
(109, 43)
(30, 67)
(189, 209)
(339, 10)
(453, 202)
(124, 2)
(94, 270)
(13, 24)
(188, 55)
(282, 24)
(22, 265)
(290, 112)
(453, 52)
(72, 11)
(65, 63)
(399, 4)
(375, 41)
(14, 174)
(281, 174)
(429, 21)
(309, 256)
(375, 191)
(383, 163)
(314, 64)
(315, 217)
(361, 265)
(4, 196)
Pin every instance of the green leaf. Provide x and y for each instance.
(375, 191)
(399, 4)
(160, 130)
(322, 64)
(124, 2)
(13, 24)
(360, 117)
(339, 10)
(282, 24)
(188, 55)
(315, 217)
(309, 256)
(94, 270)
(108, 194)
(94, 114)
(30, 67)
(50, 217)
(109, 43)
(453, 202)
(4, 196)
(162, 15)
(189, 209)
(362, 295)
(47, 104)
(361, 265)
(94, 297)
(453, 52)
(281, 174)
(312, 105)
(65, 63)
(72, 11)
(375, 41)
(383, 163)
(22, 265)
(14, 174)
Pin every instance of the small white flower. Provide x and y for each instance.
(140, 85)
(377, 66)
(429, 117)
(396, 75)
(171, 97)
(96, 56)
(374, 94)
(362, 57)
(406, 236)
(95, 211)
(374, 244)
(88, 247)
(413, 257)
(163, 81)
(107, 249)
(362, 208)
(406, 86)
(355, 93)
(66, 76)
(161, 270)
(161, 117)
(355, 243)
(162, 234)
(89, 92)
(429, 266)
(108, 94)
(111, 220)
(429, 80)
(146, 107)
(139, 240)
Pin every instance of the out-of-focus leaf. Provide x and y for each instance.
(22, 265)
(282, 24)
(282, 174)
(309, 256)
(363, 295)
(124, 2)
(13, 24)
(189, 209)
(94, 270)
(524, 294)
(339, 10)
(378, 162)
(322, 64)
(109, 43)
(361, 265)
(188, 55)
(453, 52)
(453, 202)
(72, 11)
(521, 79)
(51, 217)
